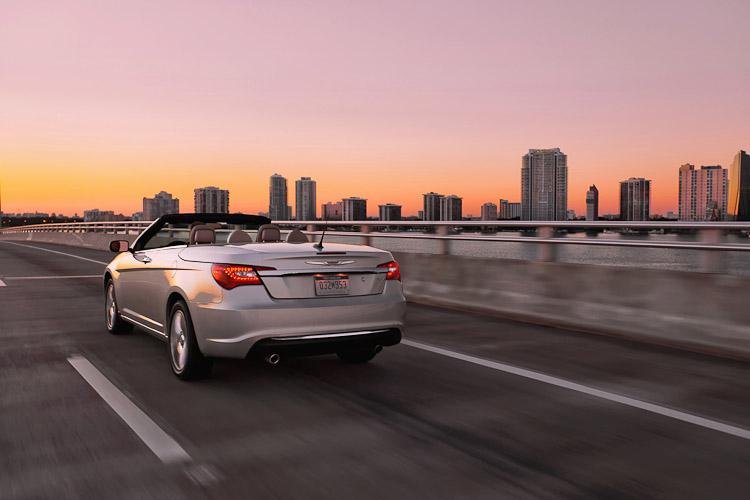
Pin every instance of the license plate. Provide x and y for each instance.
(332, 286)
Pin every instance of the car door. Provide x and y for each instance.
(146, 275)
(158, 272)
(132, 294)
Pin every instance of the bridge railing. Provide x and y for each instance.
(711, 237)
(116, 227)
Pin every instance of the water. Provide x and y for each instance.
(733, 262)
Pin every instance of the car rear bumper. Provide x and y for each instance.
(310, 345)
(234, 326)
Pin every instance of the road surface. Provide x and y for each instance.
(468, 407)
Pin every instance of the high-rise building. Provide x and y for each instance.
(211, 200)
(451, 207)
(502, 209)
(507, 210)
(703, 193)
(331, 211)
(161, 204)
(635, 199)
(738, 207)
(514, 210)
(431, 206)
(389, 211)
(489, 211)
(278, 208)
(304, 190)
(355, 208)
(544, 185)
(592, 203)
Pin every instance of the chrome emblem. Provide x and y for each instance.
(329, 262)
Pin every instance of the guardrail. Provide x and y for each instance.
(711, 236)
(118, 227)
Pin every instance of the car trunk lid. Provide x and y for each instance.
(301, 270)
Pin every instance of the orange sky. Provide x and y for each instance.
(101, 105)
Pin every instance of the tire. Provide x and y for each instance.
(358, 356)
(112, 319)
(185, 357)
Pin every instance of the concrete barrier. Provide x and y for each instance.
(689, 310)
(695, 311)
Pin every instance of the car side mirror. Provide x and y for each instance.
(119, 246)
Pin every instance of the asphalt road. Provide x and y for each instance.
(499, 410)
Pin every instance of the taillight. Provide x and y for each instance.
(233, 275)
(394, 270)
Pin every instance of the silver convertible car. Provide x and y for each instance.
(226, 285)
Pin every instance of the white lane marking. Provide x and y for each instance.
(2, 283)
(17, 278)
(573, 386)
(57, 252)
(161, 443)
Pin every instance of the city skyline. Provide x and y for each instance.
(215, 96)
(277, 194)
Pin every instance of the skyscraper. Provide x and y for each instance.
(489, 211)
(702, 193)
(508, 209)
(635, 199)
(544, 185)
(389, 211)
(451, 207)
(592, 203)
(431, 206)
(211, 200)
(331, 211)
(739, 187)
(355, 208)
(278, 208)
(161, 204)
(514, 210)
(304, 189)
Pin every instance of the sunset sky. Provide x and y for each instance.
(102, 103)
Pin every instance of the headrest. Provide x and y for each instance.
(268, 233)
(296, 236)
(202, 235)
(239, 237)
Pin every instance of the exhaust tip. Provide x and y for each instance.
(273, 359)
(378, 348)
